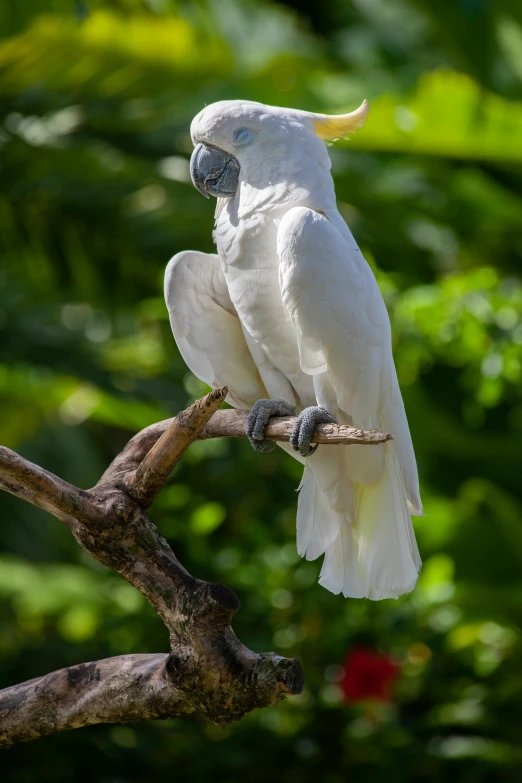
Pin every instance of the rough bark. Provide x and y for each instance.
(209, 675)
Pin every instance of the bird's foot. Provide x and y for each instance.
(304, 429)
(258, 417)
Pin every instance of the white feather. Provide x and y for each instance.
(206, 327)
(337, 303)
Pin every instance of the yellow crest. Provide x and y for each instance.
(337, 126)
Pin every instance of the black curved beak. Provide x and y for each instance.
(214, 172)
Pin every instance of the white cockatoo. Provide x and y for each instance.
(289, 316)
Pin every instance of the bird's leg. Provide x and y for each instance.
(258, 417)
(304, 428)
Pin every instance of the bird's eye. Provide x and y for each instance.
(242, 136)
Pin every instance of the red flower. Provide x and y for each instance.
(369, 675)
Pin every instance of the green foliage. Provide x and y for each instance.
(448, 115)
(95, 197)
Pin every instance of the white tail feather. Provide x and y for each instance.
(388, 554)
(377, 556)
(340, 572)
(317, 524)
(326, 501)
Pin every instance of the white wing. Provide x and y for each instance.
(331, 296)
(206, 327)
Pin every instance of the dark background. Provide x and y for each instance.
(95, 104)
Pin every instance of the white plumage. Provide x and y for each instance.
(289, 309)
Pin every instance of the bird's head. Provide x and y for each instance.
(248, 140)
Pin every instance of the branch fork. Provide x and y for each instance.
(209, 675)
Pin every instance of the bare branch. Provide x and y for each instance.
(161, 460)
(14, 487)
(45, 487)
(131, 688)
(232, 424)
(209, 674)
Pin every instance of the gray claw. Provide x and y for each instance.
(304, 429)
(258, 417)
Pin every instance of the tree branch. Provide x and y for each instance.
(44, 486)
(131, 688)
(14, 487)
(161, 460)
(232, 424)
(209, 675)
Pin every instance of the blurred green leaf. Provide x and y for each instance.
(448, 115)
(207, 518)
